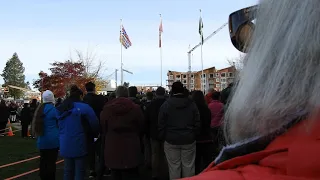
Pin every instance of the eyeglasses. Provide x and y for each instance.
(241, 27)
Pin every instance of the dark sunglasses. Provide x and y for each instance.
(241, 27)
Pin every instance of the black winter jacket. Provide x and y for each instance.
(179, 121)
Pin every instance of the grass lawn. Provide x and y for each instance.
(16, 148)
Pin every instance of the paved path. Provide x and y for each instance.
(16, 126)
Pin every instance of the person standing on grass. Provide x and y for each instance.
(151, 116)
(76, 119)
(26, 118)
(13, 112)
(33, 106)
(96, 102)
(122, 122)
(4, 116)
(204, 142)
(178, 126)
(47, 133)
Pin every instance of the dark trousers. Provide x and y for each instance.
(91, 154)
(218, 139)
(156, 149)
(24, 130)
(204, 156)
(48, 158)
(125, 174)
(102, 169)
(3, 126)
(147, 151)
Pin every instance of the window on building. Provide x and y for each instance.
(184, 81)
(184, 76)
(191, 81)
(223, 74)
(191, 76)
(192, 86)
(170, 77)
(211, 75)
(217, 85)
(178, 76)
(217, 80)
(211, 81)
(230, 74)
(223, 80)
(217, 74)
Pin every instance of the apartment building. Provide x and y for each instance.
(212, 78)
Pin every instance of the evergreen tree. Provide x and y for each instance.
(13, 74)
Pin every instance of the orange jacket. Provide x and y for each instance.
(294, 155)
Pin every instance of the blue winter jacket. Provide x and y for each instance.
(76, 120)
(50, 137)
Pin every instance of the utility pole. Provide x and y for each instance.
(116, 77)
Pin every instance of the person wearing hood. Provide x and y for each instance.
(178, 125)
(122, 122)
(47, 133)
(76, 120)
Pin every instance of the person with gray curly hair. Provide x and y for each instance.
(273, 119)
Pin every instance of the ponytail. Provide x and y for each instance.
(38, 120)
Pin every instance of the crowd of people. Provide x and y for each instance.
(270, 121)
(178, 132)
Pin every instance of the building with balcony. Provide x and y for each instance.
(212, 78)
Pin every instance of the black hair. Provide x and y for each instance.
(215, 95)
(177, 88)
(133, 91)
(198, 98)
(160, 91)
(90, 86)
(149, 95)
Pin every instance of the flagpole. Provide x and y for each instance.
(201, 37)
(121, 66)
(160, 39)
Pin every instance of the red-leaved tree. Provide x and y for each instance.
(63, 75)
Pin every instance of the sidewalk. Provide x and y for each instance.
(16, 126)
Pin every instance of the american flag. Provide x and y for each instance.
(124, 38)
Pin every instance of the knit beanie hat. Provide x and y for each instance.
(47, 97)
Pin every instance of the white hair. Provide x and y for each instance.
(281, 75)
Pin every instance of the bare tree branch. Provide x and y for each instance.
(237, 62)
(94, 67)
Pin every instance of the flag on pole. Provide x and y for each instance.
(124, 38)
(200, 29)
(160, 33)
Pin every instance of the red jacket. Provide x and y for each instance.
(294, 155)
(122, 123)
(216, 108)
(208, 98)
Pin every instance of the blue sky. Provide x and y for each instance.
(44, 31)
